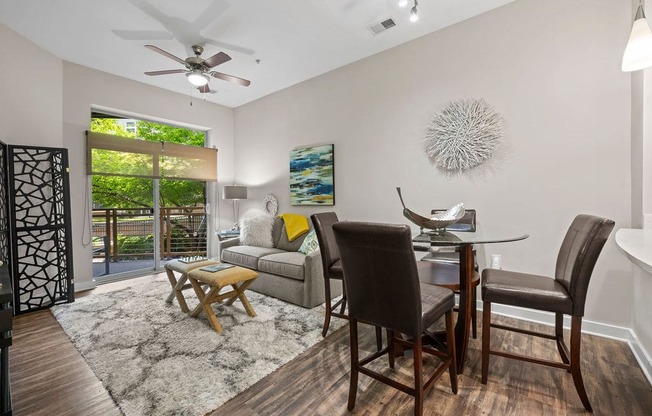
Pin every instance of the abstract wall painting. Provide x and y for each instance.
(312, 176)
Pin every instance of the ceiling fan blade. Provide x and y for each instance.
(166, 72)
(164, 53)
(231, 78)
(204, 89)
(217, 59)
(230, 46)
(142, 34)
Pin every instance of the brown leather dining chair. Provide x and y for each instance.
(451, 255)
(332, 267)
(563, 294)
(382, 287)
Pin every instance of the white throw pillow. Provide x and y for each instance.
(257, 231)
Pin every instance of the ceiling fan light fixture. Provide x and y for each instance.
(402, 3)
(197, 78)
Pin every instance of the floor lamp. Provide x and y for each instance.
(235, 193)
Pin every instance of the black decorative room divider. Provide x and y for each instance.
(39, 216)
(4, 212)
(6, 294)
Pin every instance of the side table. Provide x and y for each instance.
(226, 234)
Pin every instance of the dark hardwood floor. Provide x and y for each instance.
(49, 377)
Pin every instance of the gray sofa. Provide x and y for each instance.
(284, 272)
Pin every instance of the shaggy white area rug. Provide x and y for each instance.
(155, 360)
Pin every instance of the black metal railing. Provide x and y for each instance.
(128, 233)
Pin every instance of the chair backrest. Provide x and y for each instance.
(467, 223)
(380, 275)
(578, 254)
(323, 223)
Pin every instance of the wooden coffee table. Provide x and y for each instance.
(237, 277)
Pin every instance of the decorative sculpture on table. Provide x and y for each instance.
(438, 222)
(463, 135)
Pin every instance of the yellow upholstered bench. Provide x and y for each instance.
(238, 278)
(178, 286)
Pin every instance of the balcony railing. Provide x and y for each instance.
(128, 233)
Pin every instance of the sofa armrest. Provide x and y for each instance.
(221, 245)
(313, 279)
(313, 265)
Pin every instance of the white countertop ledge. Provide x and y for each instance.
(637, 244)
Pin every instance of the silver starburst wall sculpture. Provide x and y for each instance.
(464, 135)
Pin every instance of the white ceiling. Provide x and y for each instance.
(294, 39)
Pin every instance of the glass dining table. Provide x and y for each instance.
(465, 240)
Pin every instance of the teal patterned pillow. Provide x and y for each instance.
(310, 243)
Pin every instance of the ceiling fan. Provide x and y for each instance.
(198, 70)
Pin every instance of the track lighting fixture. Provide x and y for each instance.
(414, 14)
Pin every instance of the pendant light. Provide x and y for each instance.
(638, 53)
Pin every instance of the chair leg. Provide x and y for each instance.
(559, 338)
(353, 385)
(390, 346)
(576, 341)
(418, 376)
(474, 314)
(450, 347)
(379, 338)
(327, 315)
(486, 333)
(343, 307)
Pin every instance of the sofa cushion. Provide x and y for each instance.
(257, 231)
(277, 228)
(246, 256)
(285, 244)
(288, 264)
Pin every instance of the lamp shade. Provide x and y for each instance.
(638, 53)
(235, 192)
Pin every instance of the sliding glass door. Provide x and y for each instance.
(141, 219)
(135, 239)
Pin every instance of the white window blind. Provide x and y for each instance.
(111, 155)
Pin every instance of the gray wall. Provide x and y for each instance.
(30, 93)
(552, 69)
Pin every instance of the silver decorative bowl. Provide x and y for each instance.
(435, 224)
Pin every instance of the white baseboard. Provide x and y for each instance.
(81, 286)
(590, 327)
(642, 356)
